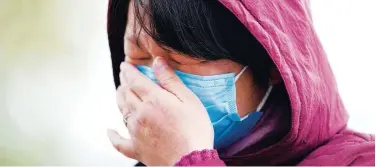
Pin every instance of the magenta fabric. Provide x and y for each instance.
(317, 132)
(201, 158)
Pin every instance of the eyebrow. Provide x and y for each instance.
(134, 40)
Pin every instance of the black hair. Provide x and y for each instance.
(203, 29)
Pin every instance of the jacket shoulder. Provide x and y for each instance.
(348, 148)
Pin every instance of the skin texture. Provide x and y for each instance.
(160, 134)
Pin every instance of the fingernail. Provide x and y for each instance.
(159, 63)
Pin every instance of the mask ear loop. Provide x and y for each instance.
(240, 73)
(262, 103)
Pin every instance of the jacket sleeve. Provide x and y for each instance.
(347, 149)
(201, 158)
(365, 159)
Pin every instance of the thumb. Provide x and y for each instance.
(124, 146)
(168, 79)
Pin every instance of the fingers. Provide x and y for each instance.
(124, 146)
(127, 100)
(168, 79)
(136, 81)
(120, 98)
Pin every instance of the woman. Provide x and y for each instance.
(227, 83)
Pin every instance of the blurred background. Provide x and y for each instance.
(57, 98)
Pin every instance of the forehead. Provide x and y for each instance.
(130, 19)
(134, 35)
(133, 30)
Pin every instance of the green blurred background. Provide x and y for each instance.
(56, 93)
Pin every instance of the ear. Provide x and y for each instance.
(275, 76)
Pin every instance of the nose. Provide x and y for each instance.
(140, 61)
(145, 52)
(146, 61)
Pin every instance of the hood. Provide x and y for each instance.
(286, 31)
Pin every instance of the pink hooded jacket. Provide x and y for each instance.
(312, 130)
(317, 134)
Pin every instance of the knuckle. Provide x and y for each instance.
(142, 121)
(151, 100)
(154, 106)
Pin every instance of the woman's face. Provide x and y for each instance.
(247, 96)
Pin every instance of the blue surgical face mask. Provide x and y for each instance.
(218, 94)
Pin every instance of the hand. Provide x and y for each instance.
(166, 121)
